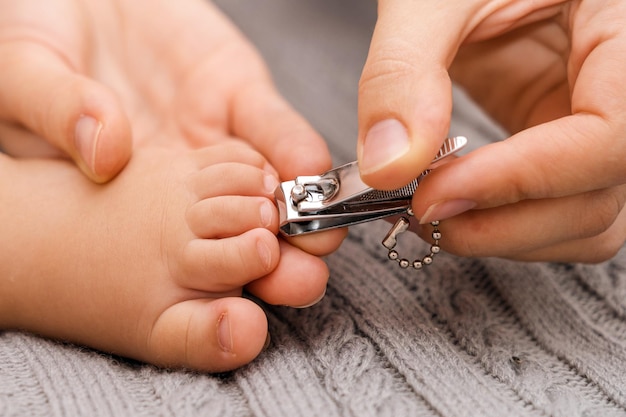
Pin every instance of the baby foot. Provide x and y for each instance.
(152, 265)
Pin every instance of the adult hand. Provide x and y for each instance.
(88, 76)
(93, 79)
(551, 72)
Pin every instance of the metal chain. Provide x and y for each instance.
(390, 241)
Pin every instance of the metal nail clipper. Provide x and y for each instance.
(339, 198)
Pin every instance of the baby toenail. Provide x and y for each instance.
(224, 335)
(270, 183)
(267, 214)
(265, 254)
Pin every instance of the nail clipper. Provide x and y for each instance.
(339, 197)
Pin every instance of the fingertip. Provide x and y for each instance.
(405, 96)
(320, 244)
(402, 124)
(264, 118)
(390, 158)
(299, 279)
(385, 142)
(446, 209)
(318, 160)
(72, 112)
(300, 151)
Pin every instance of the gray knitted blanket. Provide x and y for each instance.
(466, 337)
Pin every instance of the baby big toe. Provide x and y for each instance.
(208, 335)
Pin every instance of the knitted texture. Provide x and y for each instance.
(464, 337)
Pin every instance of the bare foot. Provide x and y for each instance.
(152, 265)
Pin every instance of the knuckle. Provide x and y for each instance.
(388, 64)
(527, 184)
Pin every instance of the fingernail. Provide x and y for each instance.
(446, 209)
(385, 142)
(314, 302)
(268, 340)
(86, 135)
(224, 335)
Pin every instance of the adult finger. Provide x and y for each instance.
(39, 90)
(523, 230)
(244, 97)
(19, 142)
(570, 155)
(405, 92)
(273, 127)
(258, 114)
(594, 249)
(405, 97)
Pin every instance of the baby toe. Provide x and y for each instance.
(208, 335)
(232, 178)
(227, 216)
(219, 265)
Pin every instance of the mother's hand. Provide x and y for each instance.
(87, 76)
(549, 71)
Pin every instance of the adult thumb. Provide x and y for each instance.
(81, 117)
(405, 93)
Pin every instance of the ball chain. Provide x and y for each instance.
(400, 227)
